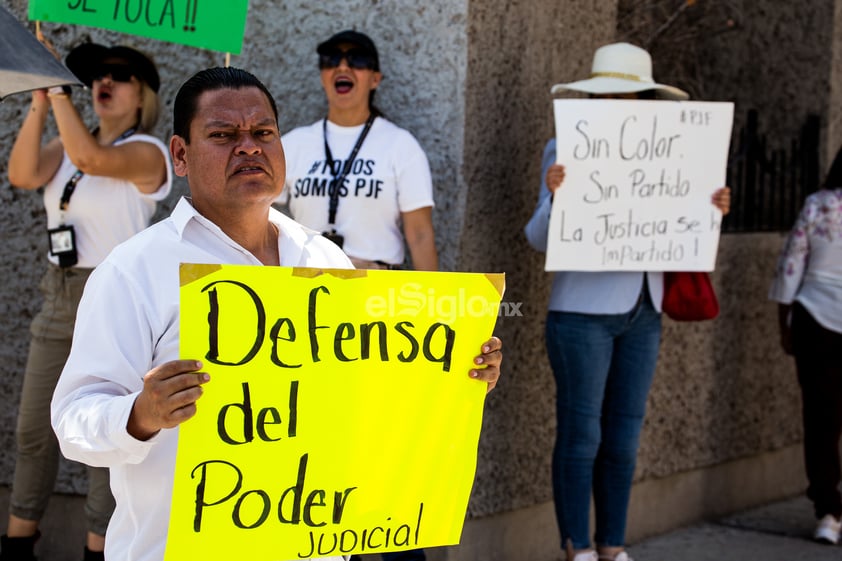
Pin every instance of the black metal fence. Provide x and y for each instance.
(768, 189)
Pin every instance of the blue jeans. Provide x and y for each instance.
(603, 367)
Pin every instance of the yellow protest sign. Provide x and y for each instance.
(339, 418)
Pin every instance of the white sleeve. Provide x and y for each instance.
(538, 226)
(111, 352)
(413, 177)
(794, 258)
(165, 188)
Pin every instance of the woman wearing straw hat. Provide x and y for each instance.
(603, 331)
(100, 188)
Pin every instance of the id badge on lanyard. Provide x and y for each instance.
(339, 177)
(63, 237)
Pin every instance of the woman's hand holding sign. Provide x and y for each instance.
(555, 175)
(722, 199)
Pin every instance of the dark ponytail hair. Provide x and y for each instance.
(833, 179)
(373, 108)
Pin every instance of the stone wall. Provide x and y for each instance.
(834, 106)
(516, 51)
(780, 59)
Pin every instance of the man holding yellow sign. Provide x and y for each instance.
(125, 386)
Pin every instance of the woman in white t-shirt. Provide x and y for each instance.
(100, 188)
(384, 199)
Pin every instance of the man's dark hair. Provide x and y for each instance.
(184, 108)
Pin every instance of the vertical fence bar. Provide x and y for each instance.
(769, 185)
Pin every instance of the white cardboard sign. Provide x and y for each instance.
(639, 176)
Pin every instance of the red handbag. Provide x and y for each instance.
(689, 296)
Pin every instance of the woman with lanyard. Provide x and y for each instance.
(356, 176)
(100, 188)
(359, 178)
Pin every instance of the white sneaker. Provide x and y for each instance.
(586, 556)
(622, 556)
(828, 530)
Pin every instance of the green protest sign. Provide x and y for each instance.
(218, 25)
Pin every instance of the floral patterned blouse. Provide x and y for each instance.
(809, 269)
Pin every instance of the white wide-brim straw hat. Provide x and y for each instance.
(621, 68)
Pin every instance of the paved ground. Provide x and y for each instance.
(776, 532)
(63, 527)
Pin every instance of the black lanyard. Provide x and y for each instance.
(70, 186)
(340, 177)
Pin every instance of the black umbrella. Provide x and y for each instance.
(26, 64)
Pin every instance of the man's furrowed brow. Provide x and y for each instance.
(223, 123)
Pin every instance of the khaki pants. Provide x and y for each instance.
(365, 264)
(37, 447)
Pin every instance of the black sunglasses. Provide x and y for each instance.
(357, 59)
(118, 72)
